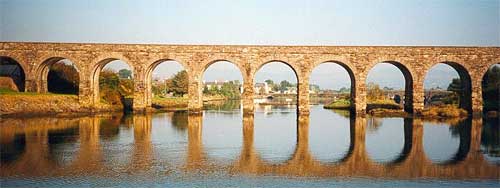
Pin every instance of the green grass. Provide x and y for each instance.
(170, 102)
(384, 104)
(339, 104)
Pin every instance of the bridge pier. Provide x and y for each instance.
(418, 96)
(195, 101)
(139, 102)
(247, 96)
(303, 97)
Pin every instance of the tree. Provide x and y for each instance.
(125, 74)
(205, 90)
(269, 82)
(284, 85)
(455, 85)
(179, 84)
(108, 79)
(491, 87)
(374, 92)
(63, 78)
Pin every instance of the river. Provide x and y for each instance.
(272, 148)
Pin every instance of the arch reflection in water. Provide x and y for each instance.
(490, 140)
(221, 132)
(385, 139)
(330, 135)
(155, 147)
(275, 132)
(446, 143)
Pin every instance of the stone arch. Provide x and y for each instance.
(295, 68)
(408, 76)
(351, 71)
(148, 75)
(212, 61)
(466, 82)
(236, 62)
(18, 75)
(97, 67)
(42, 72)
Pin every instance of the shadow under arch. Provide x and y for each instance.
(352, 78)
(465, 81)
(13, 69)
(96, 71)
(149, 75)
(491, 91)
(43, 71)
(408, 98)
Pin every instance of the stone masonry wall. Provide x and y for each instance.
(414, 62)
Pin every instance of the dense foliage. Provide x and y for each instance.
(113, 89)
(491, 87)
(63, 78)
(229, 89)
(177, 85)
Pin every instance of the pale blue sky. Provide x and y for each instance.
(260, 22)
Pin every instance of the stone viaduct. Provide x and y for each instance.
(414, 62)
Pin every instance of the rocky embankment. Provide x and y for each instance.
(40, 105)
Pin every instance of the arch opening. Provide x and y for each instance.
(113, 84)
(331, 84)
(167, 85)
(222, 86)
(275, 86)
(448, 84)
(275, 99)
(58, 75)
(389, 85)
(12, 75)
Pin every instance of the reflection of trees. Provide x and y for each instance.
(11, 151)
(59, 138)
(110, 127)
(460, 127)
(180, 120)
(373, 124)
(490, 137)
(226, 105)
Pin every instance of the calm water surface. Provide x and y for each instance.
(273, 148)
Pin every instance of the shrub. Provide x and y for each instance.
(339, 104)
(444, 111)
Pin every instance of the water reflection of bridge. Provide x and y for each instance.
(90, 157)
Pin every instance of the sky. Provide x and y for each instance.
(259, 22)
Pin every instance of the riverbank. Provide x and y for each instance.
(14, 103)
(170, 104)
(39, 104)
